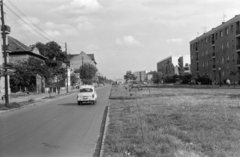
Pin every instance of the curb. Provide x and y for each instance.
(97, 152)
(33, 104)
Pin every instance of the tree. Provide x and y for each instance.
(42, 48)
(87, 72)
(129, 76)
(157, 77)
(25, 74)
(74, 79)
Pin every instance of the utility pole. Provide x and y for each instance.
(5, 54)
(66, 65)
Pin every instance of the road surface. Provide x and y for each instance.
(59, 128)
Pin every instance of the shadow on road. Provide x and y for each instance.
(76, 104)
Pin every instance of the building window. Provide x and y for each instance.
(233, 57)
(227, 44)
(222, 46)
(221, 33)
(227, 58)
(216, 35)
(222, 60)
(206, 52)
(206, 40)
(232, 28)
(226, 31)
(206, 63)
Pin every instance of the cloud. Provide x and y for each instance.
(91, 47)
(128, 41)
(79, 7)
(53, 33)
(54, 29)
(175, 40)
(171, 23)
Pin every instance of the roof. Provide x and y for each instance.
(70, 56)
(16, 47)
(213, 30)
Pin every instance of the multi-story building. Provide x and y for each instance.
(170, 65)
(77, 60)
(141, 75)
(216, 53)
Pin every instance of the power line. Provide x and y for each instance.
(26, 23)
(21, 25)
(33, 22)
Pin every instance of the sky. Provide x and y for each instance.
(124, 35)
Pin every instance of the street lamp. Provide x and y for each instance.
(219, 72)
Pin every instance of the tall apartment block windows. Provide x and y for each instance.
(226, 31)
(219, 47)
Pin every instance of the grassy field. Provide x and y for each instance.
(173, 122)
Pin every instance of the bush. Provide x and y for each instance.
(204, 80)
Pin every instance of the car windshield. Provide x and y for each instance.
(86, 90)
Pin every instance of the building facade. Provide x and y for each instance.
(77, 60)
(216, 54)
(141, 75)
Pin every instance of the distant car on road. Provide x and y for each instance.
(87, 94)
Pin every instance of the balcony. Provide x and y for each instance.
(213, 42)
(238, 32)
(238, 47)
(238, 62)
(214, 66)
(213, 54)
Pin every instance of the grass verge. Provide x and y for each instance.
(174, 123)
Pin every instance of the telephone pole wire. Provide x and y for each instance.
(5, 54)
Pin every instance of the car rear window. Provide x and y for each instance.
(86, 90)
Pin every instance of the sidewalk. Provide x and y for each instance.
(32, 99)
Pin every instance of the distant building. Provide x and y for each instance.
(77, 60)
(216, 53)
(170, 65)
(141, 75)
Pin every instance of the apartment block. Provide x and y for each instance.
(141, 75)
(170, 64)
(216, 53)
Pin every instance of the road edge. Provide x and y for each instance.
(98, 148)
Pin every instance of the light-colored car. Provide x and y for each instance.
(87, 94)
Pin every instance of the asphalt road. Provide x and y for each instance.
(59, 128)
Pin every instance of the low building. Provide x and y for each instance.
(20, 52)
